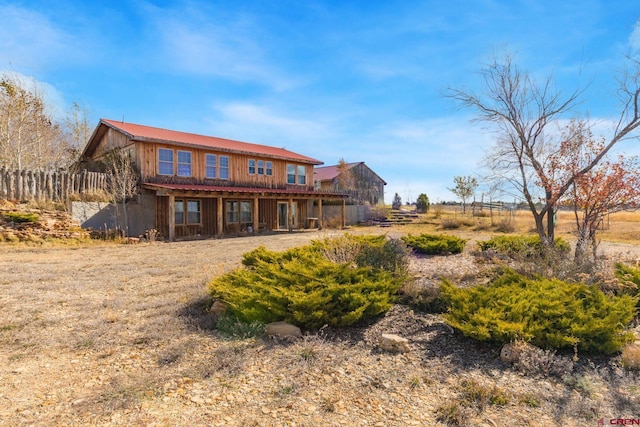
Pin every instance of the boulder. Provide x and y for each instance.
(394, 343)
(283, 330)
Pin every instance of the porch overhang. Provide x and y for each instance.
(195, 190)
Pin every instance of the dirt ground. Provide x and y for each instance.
(120, 335)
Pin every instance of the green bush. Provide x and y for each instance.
(20, 217)
(432, 244)
(522, 247)
(549, 313)
(303, 287)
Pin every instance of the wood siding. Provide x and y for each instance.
(147, 162)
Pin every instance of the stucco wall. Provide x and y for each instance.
(106, 216)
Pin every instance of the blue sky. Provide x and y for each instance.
(359, 80)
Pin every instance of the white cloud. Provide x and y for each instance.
(265, 125)
(634, 38)
(31, 40)
(52, 97)
(232, 47)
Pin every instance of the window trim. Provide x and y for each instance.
(179, 163)
(301, 178)
(236, 211)
(198, 211)
(223, 168)
(291, 177)
(176, 211)
(166, 162)
(208, 166)
(246, 203)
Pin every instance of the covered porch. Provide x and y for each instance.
(188, 211)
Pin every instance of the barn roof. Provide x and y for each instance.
(328, 173)
(144, 133)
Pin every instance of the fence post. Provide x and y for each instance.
(3, 187)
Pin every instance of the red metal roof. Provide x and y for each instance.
(148, 133)
(328, 173)
(231, 189)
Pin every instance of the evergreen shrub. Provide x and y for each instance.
(432, 244)
(20, 217)
(522, 247)
(302, 286)
(548, 313)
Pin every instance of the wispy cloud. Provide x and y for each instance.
(215, 43)
(28, 39)
(634, 38)
(266, 125)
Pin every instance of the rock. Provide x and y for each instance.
(283, 329)
(218, 308)
(394, 343)
(511, 352)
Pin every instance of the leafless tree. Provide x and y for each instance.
(122, 178)
(525, 114)
(30, 138)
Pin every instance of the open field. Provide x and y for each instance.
(120, 335)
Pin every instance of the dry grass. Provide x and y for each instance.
(120, 335)
(620, 227)
(631, 356)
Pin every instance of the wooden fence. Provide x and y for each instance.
(26, 185)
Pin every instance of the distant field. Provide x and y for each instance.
(621, 227)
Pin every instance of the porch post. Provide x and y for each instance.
(172, 218)
(290, 214)
(320, 214)
(256, 223)
(219, 216)
(344, 216)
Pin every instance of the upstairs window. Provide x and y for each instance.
(252, 166)
(210, 165)
(260, 167)
(165, 161)
(269, 168)
(224, 167)
(302, 175)
(291, 174)
(184, 163)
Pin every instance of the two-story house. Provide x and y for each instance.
(195, 185)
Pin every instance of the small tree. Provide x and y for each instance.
(524, 112)
(397, 202)
(122, 179)
(422, 203)
(609, 187)
(465, 188)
